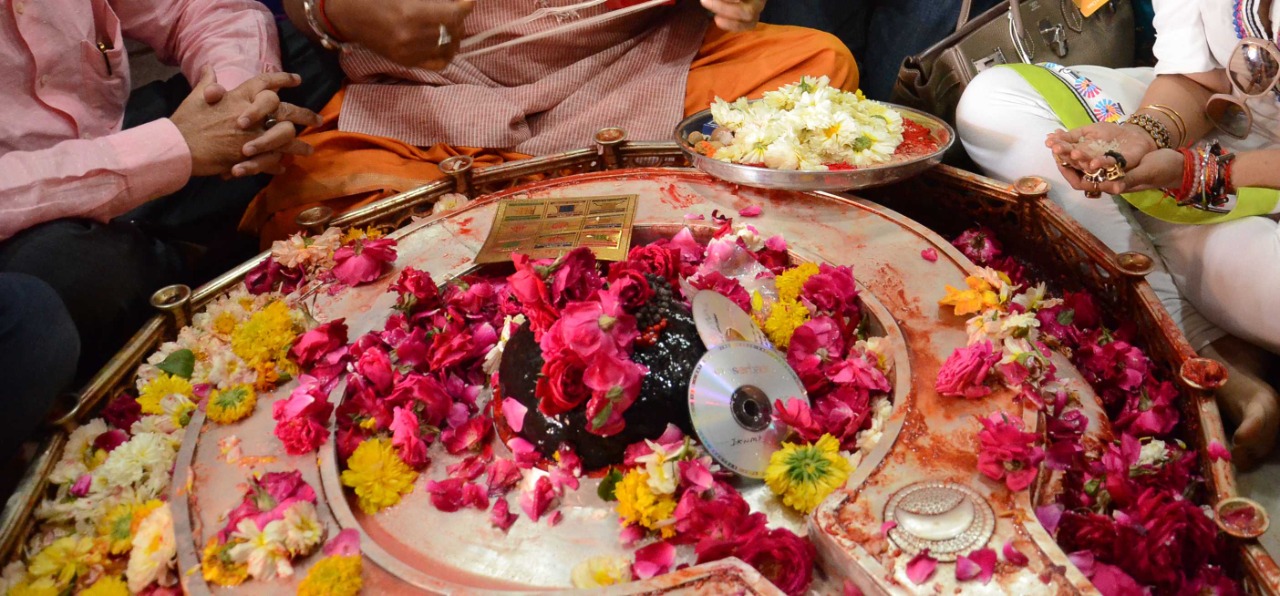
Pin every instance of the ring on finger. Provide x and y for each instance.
(269, 122)
(444, 39)
(1095, 193)
(1112, 173)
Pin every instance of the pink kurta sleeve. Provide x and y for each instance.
(237, 38)
(99, 178)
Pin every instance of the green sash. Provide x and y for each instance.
(1064, 103)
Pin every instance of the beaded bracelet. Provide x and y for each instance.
(1159, 133)
(1174, 117)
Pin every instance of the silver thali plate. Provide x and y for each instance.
(838, 180)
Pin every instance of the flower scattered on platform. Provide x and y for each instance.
(979, 564)
(334, 576)
(160, 388)
(803, 475)
(987, 289)
(232, 404)
(600, 571)
(966, 370)
(639, 505)
(1008, 452)
(111, 585)
(218, 568)
(921, 567)
(154, 549)
(377, 475)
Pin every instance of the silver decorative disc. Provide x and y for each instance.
(946, 518)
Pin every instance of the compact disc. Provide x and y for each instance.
(731, 397)
(719, 320)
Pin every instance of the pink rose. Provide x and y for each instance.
(560, 388)
(782, 557)
(122, 411)
(301, 435)
(362, 261)
(375, 366)
(615, 384)
(1008, 452)
(468, 437)
(405, 436)
(832, 290)
(317, 343)
(575, 277)
(979, 244)
(449, 349)
(631, 290)
(417, 291)
(965, 372)
(653, 560)
(729, 288)
(535, 299)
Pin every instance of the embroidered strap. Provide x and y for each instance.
(1067, 104)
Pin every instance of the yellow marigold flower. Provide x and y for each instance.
(792, 281)
(159, 388)
(784, 318)
(267, 336)
(979, 297)
(218, 568)
(66, 558)
(44, 586)
(637, 504)
(119, 524)
(109, 585)
(231, 405)
(601, 571)
(803, 475)
(333, 576)
(378, 475)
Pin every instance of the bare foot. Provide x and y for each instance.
(1248, 400)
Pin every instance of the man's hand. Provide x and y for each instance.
(212, 121)
(735, 15)
(406, 32)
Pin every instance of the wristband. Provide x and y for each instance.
(314, 14)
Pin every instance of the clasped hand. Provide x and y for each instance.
(226, 132)
(1081, 151)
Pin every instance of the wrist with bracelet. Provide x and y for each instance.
(1206, 177)
(1153, 127)
(320, 24)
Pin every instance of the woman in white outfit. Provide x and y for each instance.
(1217, 261)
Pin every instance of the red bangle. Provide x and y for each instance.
(324, 18)
(1188, 175)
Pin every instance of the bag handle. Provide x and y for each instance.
(966, 8)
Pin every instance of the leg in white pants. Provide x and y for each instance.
(1003, 123)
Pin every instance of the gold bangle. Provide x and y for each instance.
(1174, 117)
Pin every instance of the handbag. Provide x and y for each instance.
(1029, 31)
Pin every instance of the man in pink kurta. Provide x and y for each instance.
(70, 166)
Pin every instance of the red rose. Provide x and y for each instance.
(417, 290)
(729, 288)
(535, 299)
(560, 387)
(575, 277)
(655, 260)
(363, 261)
(631, 290)
(375, 366)
(317, 343)
(782, 557)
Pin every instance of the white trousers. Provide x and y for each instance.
(1213, 279)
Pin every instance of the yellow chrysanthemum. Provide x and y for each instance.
(66, 558)
(231, 405)
(979, 297)
(110, 585)
(601, 571)
(803, 475)
(377, 475)
(637, 504)
(44, 586)
(370, 233)
(160, 387)
(784, 318)
(119, 524)
(266, 337)
(224, 324)
(218, 568)
(333, 576)
(791, 281)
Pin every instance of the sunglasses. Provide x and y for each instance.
(1253, 70)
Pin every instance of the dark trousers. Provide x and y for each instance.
(38, 350)
(880, 33)
(104, 274)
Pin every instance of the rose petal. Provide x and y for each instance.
(886, 526)
(555, 518)
(630, 534)
(695, 472)
(1218, 452)
(921, 567)
(1014, 556)
(346, 543)
(752, 211)
(1049, 516)
(980, 563)
(850, 589)
(653, 560)
(930, 255)
(500, 516)
(514, 411)
(694, 217)
(1083, 560)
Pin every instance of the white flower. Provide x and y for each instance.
(494, 357)
(14, 573)
(881, 407)
(154, 548)
(1034, 298)
(1153, 453)
(262, 550)
(878, 347)
(143, 462)
(449, 202)
(1019, 325)
(158, 424)
(78, 452)
(661, 468)
(303, 531)
(750, 236)
(601, 571)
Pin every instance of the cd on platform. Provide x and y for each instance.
(719, 320)
(731, 397)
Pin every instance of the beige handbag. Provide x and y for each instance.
(1038, 31)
